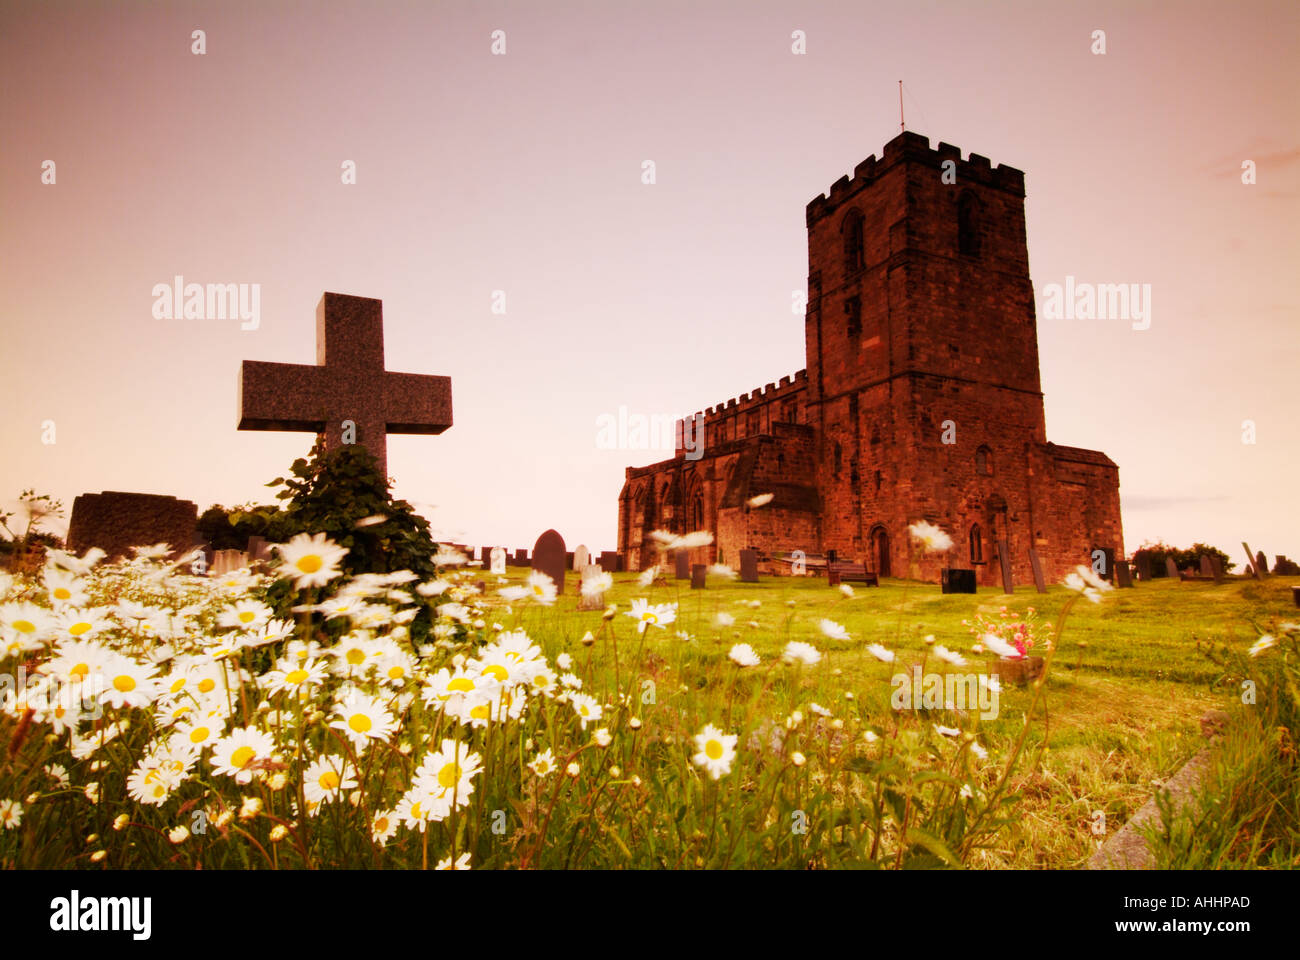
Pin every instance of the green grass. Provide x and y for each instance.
(1123, 700)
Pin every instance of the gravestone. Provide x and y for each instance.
(698, 572)
(497, 559)
(1261, 564)
(1206, 570)
(225, 561)
(258, 550)
(1037, 568)
(549, 558)
(348, 395)
(610, 561)
(1285, 567)
(1216, 567)
(749, 565)
(956, 580)
(1250, 561)
(682, 562)
(595, 602)
(115, 522)
(1171, 568)
(1123, 576)
(1004, 559)
(581, 558)
(521, 558)
(1142, 560)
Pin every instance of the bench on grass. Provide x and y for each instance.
(843, 571)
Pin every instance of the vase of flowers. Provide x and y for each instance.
(1011, 637)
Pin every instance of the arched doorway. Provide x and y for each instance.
(879, 541)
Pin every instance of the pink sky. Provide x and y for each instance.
(521, 173)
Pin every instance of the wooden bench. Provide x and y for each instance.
(842, 571)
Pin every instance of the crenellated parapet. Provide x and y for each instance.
(914, 148)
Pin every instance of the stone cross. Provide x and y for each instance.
(348, 395)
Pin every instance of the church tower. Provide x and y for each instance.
(922, 350)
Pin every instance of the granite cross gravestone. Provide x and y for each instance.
(348, 395)
(1036, 565)
(115, 522)
(549, 558)
(1004, 559)
(581, 557)
(749, 565)
(698, 572)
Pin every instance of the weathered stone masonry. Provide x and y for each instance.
(920, 329)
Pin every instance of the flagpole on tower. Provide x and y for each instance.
(900, 107)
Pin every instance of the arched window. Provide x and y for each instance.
(984, 462)
(976, 544)
(839, 456)
(968, 237)
(854, 256)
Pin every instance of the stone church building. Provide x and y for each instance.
(920, 399)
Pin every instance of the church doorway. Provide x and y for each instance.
(879, 540)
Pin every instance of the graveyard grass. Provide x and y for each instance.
(1124, 700)
(824, 770)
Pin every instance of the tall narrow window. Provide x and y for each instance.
(853, 250)
(976, 544)
(853, 317)
(984, 462)
(968, 237)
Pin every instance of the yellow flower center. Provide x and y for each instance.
(62, 593)
(360, 723)
(199, 734)
(396, 673)
(24, 626)
(310, 563)
(381, 824)
(415, 810)
(329, 780)
(178, 686)
(296, 677)
(480, 712)
(448, 775)
(461, 684)
(242, 757)
(497, 672)
(80, 670)
(78, 628)
(206, 685)
(713, 750)
(124, 682)
(159, 791)
(246, 616)
(356, 656)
